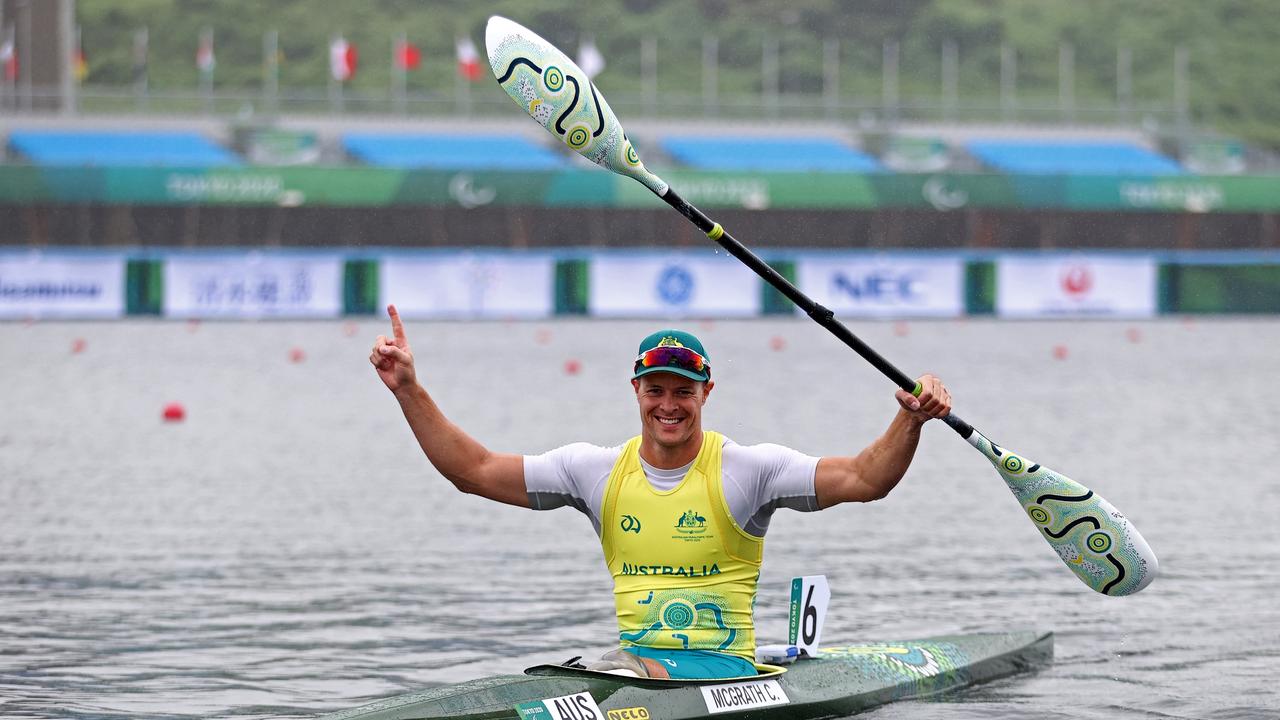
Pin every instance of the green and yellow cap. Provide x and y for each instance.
(673, 351)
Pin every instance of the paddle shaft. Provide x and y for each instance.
(820, 314)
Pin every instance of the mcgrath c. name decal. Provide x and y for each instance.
(743, 696)
(580, 706)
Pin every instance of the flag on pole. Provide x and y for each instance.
(468, 59)
(9, 55)
(589, 57)
(342, 59)
(408, 56)
(205, 60)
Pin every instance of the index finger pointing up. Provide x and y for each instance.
(397, 327)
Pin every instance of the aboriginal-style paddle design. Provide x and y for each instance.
(1095, 541)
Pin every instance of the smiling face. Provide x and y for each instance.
(670, 417)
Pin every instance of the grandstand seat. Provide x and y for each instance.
(451, 152)
(1070, 157)
(183, 149)
(756, 153)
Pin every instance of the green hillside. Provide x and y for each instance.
(1235, 86)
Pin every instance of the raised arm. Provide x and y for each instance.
(872, 473)
(466, 463)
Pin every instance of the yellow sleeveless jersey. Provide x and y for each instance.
(684, 573)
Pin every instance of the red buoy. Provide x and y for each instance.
(296, 355)
(1134, 335)
(174, 412)
(78, 346)
(777, 343)
(572, 367)
(1060, 352)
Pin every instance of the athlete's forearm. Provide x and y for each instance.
(457, 455)
(883, 463)
(874, 472)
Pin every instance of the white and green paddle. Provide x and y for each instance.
(1095, 541)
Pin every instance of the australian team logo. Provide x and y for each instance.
(630, 524)
(691, 523)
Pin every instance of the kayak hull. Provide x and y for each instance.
(839, 681)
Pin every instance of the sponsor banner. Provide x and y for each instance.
(858, 285)
(466, 285)
(1076, 285)
(672, 286)
(253, 285)
(37, 285)
(743, 696)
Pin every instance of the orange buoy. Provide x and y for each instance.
(1133, 334)
(1060, 352)
(777, 343)
(174, 412)
(901, 329)
(296, 355)
(78, 346)
(542, 336)
(572, 366)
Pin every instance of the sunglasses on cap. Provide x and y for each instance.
(672, 356)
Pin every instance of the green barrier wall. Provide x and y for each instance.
(571, 283)
(360, 287)
(348, 186)
(1212, 289)
(144, 287)
(980, 288)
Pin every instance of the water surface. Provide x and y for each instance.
(287, 550)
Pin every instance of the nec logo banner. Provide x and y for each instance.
(858, 284)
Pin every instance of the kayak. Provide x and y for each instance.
(837, 681)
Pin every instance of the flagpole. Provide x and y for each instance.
(649, 73)
(24, 54)
(399, 73)
(335, 85)
(4, 83)
(68, 46)
(206, 73)
(831, 76)
(710, 79)
(140, 41)
(271, 72)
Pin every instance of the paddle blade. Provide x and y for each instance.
(561, 98)
(1095, 541)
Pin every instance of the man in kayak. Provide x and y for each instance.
(681, 512)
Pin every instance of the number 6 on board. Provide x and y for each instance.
(810, 596)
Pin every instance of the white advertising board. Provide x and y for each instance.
(253, 285)
(466, 285)
(671, 285)
(1076, 286)
(855, 285)
(37, 285)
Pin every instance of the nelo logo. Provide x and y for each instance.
(1077, 281)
